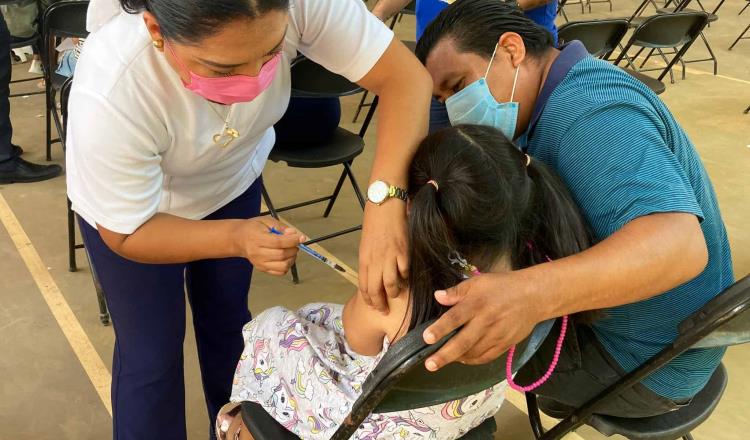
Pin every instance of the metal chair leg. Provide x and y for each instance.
(355, 185)
(743, 9)
(747, 110)
(651, 52)
(72, 266)
(104, 317)
(534, 418)
(274, 214)
(666, 60)
(335, 194)
(360, 106)
(711, 52)
(742, 34)
(50, 109)
(688, 436)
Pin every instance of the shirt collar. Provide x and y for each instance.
(570, 54)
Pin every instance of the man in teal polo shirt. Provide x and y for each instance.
(661, 248)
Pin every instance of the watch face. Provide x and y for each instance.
(377, 192)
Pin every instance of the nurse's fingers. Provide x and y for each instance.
(278, 267)
(271, 254)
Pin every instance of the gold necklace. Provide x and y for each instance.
(227, 134)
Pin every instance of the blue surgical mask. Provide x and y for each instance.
(476, 105)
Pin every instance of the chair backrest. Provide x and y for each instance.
(723, 321)
(61, 20)
(679, 29)
(599, 36)
(311, 80)
(669, 30)
(401, 382)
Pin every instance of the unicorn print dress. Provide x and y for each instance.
(299, 367)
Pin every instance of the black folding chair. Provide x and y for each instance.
(310, 80)
(400, 382)
(600, 37)
(666, 31)
(65, 19)
(741, 36)
(712, 17)
(723, 321)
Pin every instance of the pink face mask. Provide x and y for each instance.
(230, 89)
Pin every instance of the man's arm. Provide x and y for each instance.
(648, 256)
(385, 9)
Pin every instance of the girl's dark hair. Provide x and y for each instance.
(488, 205)
(189, 21)
(476, 25)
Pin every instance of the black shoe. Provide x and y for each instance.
(24, 171)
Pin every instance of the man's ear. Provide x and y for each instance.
(512, 44)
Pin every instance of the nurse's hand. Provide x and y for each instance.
(270, 253)
(383, 257)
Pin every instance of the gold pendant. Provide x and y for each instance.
(227, 137)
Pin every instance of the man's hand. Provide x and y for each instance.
(495, 310)
(383, 258)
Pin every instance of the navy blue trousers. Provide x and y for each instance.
(147, 305)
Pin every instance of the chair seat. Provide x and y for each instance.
(711, 17)
(264, 427)
(343, 147)
(654, 84)
(637, 21)
(671, 425)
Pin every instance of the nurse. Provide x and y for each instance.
(171, 117)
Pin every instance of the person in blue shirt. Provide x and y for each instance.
(542, 12)
(661, 247)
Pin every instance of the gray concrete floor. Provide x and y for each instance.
(45, 392)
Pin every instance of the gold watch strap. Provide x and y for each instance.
(396, 192)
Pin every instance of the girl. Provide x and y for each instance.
(476, 204)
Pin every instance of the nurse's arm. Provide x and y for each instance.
(404, 88)
(385, 9)
(167, 239)
(647, 256)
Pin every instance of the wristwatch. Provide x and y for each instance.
(380, 191)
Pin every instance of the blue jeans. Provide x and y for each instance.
(147, 306)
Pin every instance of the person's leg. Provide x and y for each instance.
(6, 129)
(438, 116)
(13, 168)
(218, 291)
(583, 371)
(147, 306)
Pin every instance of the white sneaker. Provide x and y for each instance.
(36, 67)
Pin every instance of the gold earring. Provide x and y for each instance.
(159, 44)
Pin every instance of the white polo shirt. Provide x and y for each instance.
(140, 143)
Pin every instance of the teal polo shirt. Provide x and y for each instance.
(623, 155)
